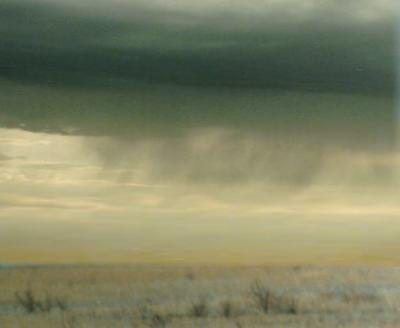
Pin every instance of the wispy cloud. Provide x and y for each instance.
(4, 157)
(23, 201)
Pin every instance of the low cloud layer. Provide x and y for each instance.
(192, 198)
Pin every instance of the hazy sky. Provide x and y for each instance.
(212, 131)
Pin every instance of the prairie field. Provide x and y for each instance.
(75, 296)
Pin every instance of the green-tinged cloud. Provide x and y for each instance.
(329, 46)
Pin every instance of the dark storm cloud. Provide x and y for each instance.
(289, 69)
(329, 48)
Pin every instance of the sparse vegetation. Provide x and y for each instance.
(159, 297)
(356, 297)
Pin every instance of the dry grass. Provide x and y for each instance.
(155, 296)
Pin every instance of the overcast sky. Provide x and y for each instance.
(129, 129)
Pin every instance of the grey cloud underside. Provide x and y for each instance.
(61, 45)
(352, 121)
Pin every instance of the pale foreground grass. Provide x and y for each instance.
(156, 296)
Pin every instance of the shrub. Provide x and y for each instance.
(267, 301)
(190, 276)
(158, 321)
(31, 303)
(227, 309)
(27, 300)
(262, 296)
(199, 309)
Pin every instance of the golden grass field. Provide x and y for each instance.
(172, 296)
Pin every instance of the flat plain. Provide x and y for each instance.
(77, 296)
